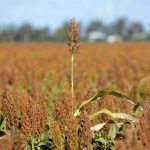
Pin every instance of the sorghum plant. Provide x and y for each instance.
(73, 43)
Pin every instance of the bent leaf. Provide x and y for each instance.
(101, 94)
(113, 115)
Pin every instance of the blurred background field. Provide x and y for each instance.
(36, 67)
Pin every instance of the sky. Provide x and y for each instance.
(53, 12)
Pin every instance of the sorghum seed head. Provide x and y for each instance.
(73, 36)
(34, 118)
(9, 108)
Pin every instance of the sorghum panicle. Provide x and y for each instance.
(67, 123)
(34, 118)
(9, 108)
(56, 134)
(85, 137)
(73, 36)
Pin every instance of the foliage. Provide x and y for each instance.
(106, 139)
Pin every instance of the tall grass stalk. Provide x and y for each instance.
(73, 38)
(72, 75)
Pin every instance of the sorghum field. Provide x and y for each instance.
(38, 111)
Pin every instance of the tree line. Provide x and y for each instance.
(26, 32)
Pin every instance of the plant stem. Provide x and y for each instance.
(72, 77)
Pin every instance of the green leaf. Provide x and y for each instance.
(3, 124)
(102, 140)
(41, 144)
(137, 110)
(113, 131)
(99, 95)
(77, 113)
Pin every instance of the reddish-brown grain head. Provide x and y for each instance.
(73, 36)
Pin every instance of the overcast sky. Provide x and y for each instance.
(53, 12)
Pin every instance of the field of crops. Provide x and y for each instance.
(37, 111)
